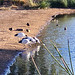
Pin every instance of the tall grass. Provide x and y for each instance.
(44, 4)
(64, 62)
(70, 58)
(66, 68)
(35, 65)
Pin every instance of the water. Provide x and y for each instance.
(43, 59)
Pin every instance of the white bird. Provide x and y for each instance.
(25, 55)
(25, 42)
(37, 40)
(30, 39)
(20, 35)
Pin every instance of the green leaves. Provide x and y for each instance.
(44, 4)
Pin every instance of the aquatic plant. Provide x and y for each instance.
(35, 65)
(64, 62)
(70, 58)
(66, 68)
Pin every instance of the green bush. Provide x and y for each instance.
(65, 2)
(44, 4)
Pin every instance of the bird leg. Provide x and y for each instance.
(29, 45)
(24, 46)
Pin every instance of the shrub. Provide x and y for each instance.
(44, 4)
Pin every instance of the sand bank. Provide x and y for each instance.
(18, 19)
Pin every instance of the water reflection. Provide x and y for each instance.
(24, 64)
(30, 52)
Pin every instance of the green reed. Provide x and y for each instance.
(64, 62)
(55, 59)
(35, 65)
(70, 58)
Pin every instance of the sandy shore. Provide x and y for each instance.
(18, 19)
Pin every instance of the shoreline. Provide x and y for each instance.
(9, 45)
(38, 19)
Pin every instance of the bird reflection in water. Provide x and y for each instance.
(30, 52)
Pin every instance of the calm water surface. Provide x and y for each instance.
(43, 59)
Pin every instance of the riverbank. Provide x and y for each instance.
(19, 18)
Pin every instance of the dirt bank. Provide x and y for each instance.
(18, 19)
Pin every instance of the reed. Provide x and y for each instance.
(55, 59)
(70, 57)
(35, 65)
(64, 62)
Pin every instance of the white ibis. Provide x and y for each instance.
(25, 42)
(36, 39)
(30, 39)
(20, 35)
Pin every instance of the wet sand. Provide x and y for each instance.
(18, 19)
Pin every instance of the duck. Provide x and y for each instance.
(10, 29)
(65, 28)
(54, 16)
(28, 24)
(27, 30)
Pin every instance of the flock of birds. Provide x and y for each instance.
(26, 39)
(31, 40)
(53, 19)
(27, 30)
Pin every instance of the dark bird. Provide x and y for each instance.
(19, 30)
(28, 24)
(65, 28)
(10, 29)
(54, 16)
(57, 25)
(27, 30)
